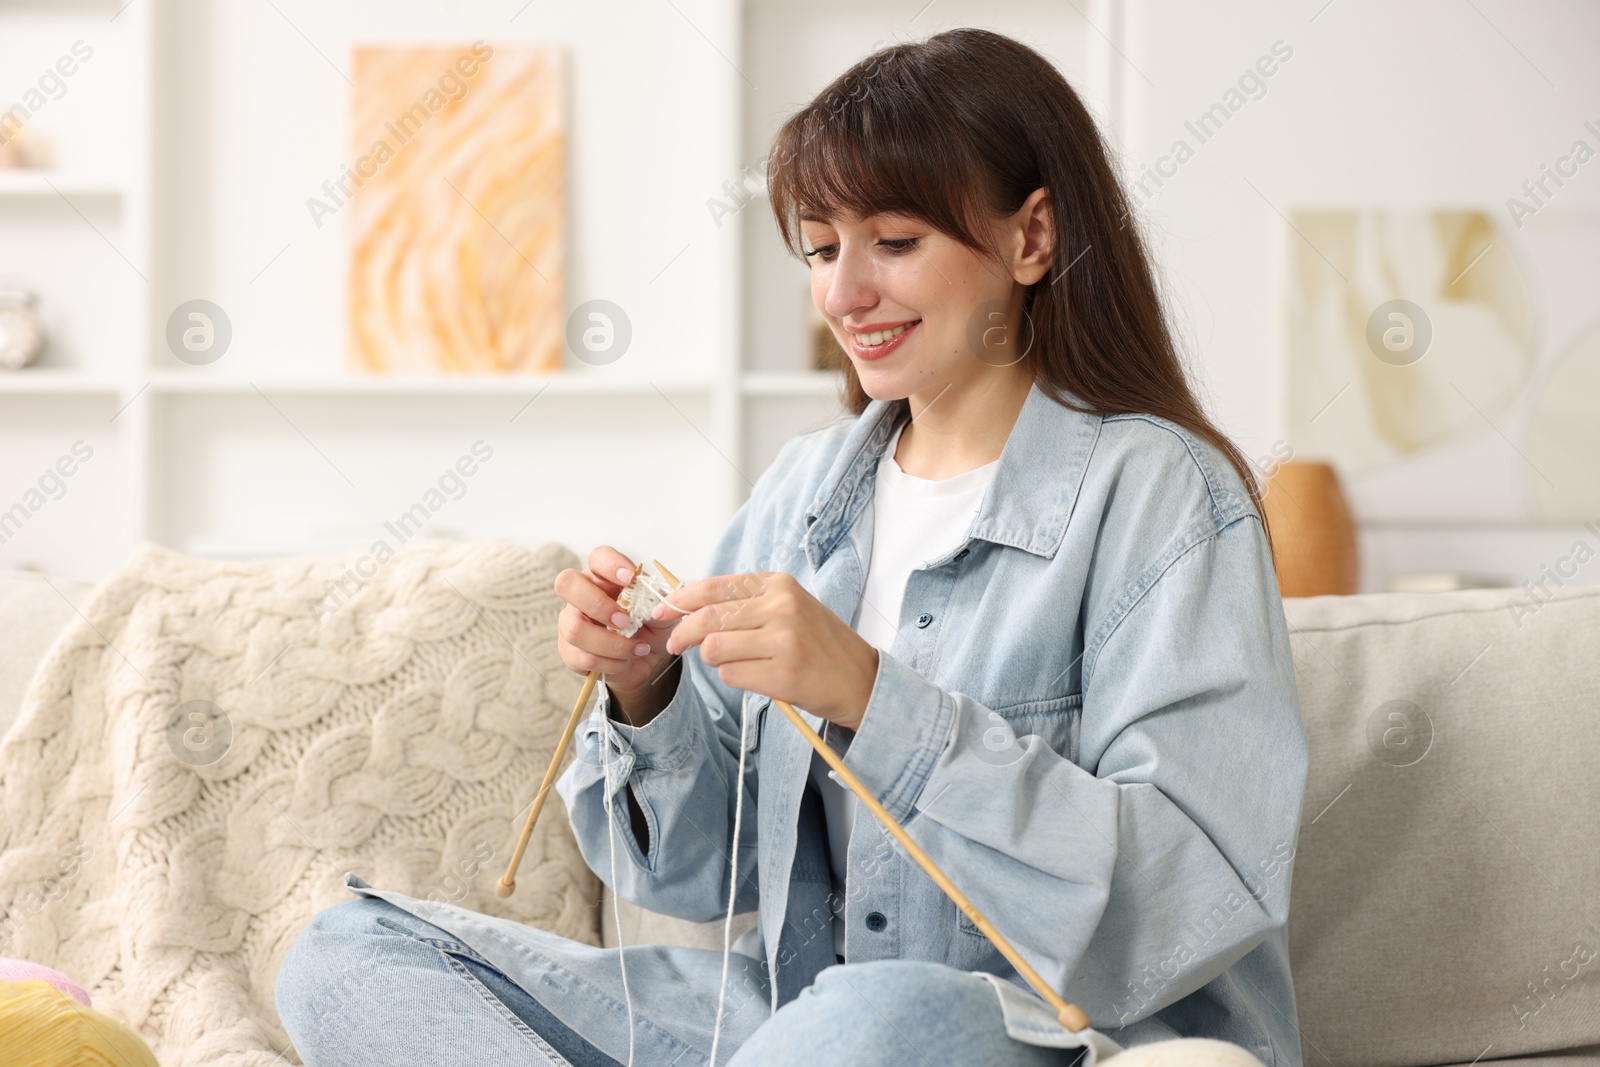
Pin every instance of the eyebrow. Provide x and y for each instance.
(810, 216)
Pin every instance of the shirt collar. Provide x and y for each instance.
(1027, 506)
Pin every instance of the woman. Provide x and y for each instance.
(1065, 667)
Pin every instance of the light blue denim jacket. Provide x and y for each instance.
(1088, 719)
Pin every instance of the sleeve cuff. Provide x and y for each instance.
(907, 725)
(665, 742)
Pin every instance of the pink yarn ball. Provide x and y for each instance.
(22, 971)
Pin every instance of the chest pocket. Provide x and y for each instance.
(1055, 722)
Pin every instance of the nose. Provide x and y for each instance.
(848, 285)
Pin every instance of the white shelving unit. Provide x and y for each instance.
(78, 234)
(168, 190)
(18, 184)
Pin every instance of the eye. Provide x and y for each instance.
(899, 245)
(827, 252)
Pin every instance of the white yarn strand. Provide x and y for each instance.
(640, 596)
(637, 599)
(616, 907)
(733, 882)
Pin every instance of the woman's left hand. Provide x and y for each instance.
(766, 633)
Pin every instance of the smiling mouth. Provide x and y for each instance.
(880, 342)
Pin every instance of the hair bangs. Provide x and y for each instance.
(868, 146)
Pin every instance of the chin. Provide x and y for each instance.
(881, 386)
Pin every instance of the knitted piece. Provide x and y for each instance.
(392, 724)
(639, 597)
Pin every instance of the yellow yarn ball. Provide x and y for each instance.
(40, 1026)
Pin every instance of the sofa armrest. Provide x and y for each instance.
(34, 610)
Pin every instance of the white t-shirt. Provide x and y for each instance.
(915, 520)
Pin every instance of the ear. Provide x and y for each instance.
(1033, 228)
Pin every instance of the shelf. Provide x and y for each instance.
(46, 381)
(1471, 522)
(569, 384)
(55, 6)
(47, 183)
(51, 381)
(31, 381)
(803, 383)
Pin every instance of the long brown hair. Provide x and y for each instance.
(958, 130)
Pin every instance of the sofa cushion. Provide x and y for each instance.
(1577, 1057)
(1445, 886)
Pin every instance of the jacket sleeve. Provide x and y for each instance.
(681, 767)
(1144, 869)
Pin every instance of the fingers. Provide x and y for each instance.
(583, 591)
(730, 646)
(724, 617)
(589, 646)
(660, 627)
(611, 567)
(716, 590)
(586, 643)
(727, 602)
(724, 605)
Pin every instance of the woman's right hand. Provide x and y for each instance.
(584, 640)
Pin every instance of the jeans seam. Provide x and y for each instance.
(452, 949)
(456, 948)
(499, 1005)
(641, 1023)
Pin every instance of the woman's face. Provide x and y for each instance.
(914, 309)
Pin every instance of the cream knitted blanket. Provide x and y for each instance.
(205, 753)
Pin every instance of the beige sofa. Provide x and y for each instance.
(1447, 878)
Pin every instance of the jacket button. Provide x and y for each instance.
(876, 921)
(923, 620)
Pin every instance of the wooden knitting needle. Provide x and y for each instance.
(1069, 1015)
(508, 881)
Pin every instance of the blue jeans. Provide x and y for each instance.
(369, 983)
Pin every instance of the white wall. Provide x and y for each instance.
(1419, 104)
(1408, 105)
(258, 121)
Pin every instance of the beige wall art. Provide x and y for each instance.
(1447, 361)
(458, 209)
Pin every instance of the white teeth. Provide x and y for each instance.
(878, 337)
